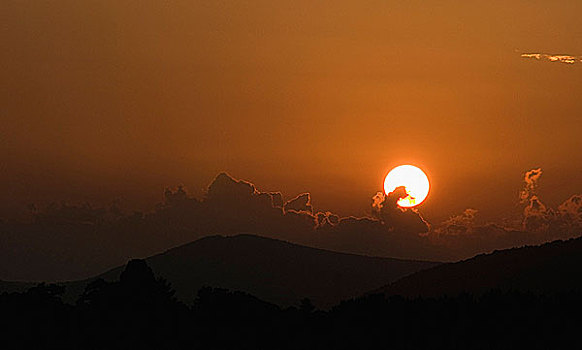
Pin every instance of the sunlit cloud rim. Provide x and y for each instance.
(567, 59)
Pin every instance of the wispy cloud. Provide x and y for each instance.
(568, 59)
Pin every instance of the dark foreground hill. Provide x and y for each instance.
(140, 312)
(273, 270)
(548, 268)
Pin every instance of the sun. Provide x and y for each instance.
(414, 181)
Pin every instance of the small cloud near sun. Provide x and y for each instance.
(568, 59)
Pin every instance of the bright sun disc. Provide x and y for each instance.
(414, 181)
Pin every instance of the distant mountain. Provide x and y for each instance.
(273, 270)
(551, 267)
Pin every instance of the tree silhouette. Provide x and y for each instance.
(140, 312)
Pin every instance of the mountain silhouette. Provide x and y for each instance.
(273, 270)
(547, 268)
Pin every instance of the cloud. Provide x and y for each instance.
(401, 219)
(326, 219)
(531, 179)
(565, 221)
(233, 206)
(458, 224)
(386, 209)
(538, 223)
(94, 238)
(572, 209)
(536, 216)
(300, 203)
(567, 59)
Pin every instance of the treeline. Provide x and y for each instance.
(140, 312)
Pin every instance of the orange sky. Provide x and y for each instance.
(119, 99)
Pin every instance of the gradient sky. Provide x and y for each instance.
(119, 99)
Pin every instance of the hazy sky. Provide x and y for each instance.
(119, 99)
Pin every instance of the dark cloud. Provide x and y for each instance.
(537, 224)
(300, 203)
(277, 199)
(385, 208)
(536, 216)
(571, 209)
(565, 221)
(225, 188)
(229, 206)
(74, 241)
(326, 219)
(458, 224)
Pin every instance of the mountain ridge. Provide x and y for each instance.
(538, 268)
(274, 270)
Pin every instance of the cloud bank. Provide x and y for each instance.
(537, 224)
(68, 241)
(567, 59)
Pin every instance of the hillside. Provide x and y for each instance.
(551, 267)
(273, 270)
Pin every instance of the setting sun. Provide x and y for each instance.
(414, 181)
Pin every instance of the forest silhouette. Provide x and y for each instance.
(525, 297)
(140, 311)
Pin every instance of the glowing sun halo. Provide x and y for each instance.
(414, 181)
